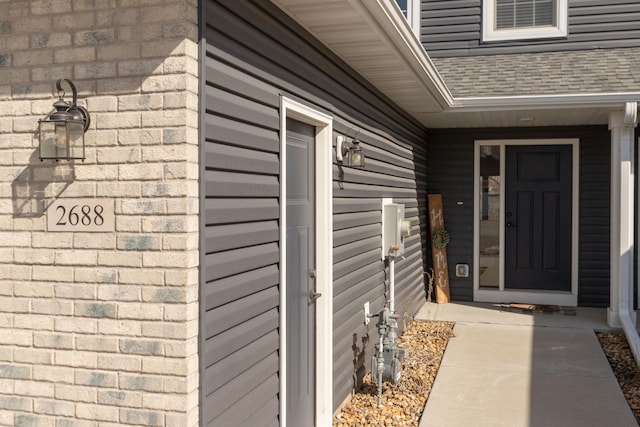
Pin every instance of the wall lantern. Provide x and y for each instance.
(62, 130)
(349, 153)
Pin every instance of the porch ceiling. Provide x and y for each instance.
(375, 39)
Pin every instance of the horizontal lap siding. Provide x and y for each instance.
(450, 154)
(255, 54)
(454, 28)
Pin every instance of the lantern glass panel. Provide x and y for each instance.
(53, 140)
(355, 157)
(76, 139)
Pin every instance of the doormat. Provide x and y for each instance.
(538, 308)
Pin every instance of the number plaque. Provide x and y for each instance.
(82, 215)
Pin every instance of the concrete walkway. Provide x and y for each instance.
(506, 369)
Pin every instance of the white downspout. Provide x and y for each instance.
(621, 312)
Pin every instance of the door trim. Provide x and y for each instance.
(324, 253)
(502, 295)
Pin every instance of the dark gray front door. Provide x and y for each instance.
(538, 204)
(300, 179)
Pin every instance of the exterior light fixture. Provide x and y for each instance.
(62, 130)
(349, 153)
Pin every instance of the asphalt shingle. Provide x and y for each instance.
(587, 71)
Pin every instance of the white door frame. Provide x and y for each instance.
(290, 108)
(500, 294)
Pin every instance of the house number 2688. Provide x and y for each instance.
(81, 215)
(84, 215)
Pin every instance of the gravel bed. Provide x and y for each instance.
(615, 347)
(402, 403)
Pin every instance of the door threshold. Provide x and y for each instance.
(563, 298)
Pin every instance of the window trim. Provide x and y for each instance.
(490, 33)
(414, 10)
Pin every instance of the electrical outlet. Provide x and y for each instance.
(367, 319)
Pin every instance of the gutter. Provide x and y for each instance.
(543, 102)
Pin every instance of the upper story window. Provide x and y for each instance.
(523, 19)
(411, 10)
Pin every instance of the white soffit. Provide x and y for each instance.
(374, 38)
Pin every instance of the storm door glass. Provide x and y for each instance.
(490, 184)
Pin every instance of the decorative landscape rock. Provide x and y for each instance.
(402, 403)
(615, 347)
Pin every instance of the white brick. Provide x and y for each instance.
(96, 275)
(165, 402)
(119, 363)
(96, 412)
(101, 344)
(54, 407)
(119, 155)
(15, 272)
(33, 289)
(140, 311)
(75, 324)
(170, 259)
(53, 274)
(119, 327)
(181, 348)
(101, 104)
(31, 256)
(32, 388)
(180, 242)
(53, 340)
(130, 224)
(139, 136)
(76, 393)
(15, 239)
(167, 330)
(96, 378)
(120, 292)
(33, 356)
(120, 398)
(143, 206)
(55, 374)
(52, 240)
(75, 54)
(76, 359)
(54, 307)
(181, 312)
(10, 304)
(184, 278)
(121, 259)
(75, 291)
(119, 189)
(97, 172)
(139, 172)
(164, 83)
(118, 120)
(33, 321)
(141, 276)
(166, 366)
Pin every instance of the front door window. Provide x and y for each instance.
(489, 206)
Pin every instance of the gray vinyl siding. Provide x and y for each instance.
(450, 164)
(454, 28)
(254, 55)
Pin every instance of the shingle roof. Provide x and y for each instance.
(587, 71)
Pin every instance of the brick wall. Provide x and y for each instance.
(100, 329)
